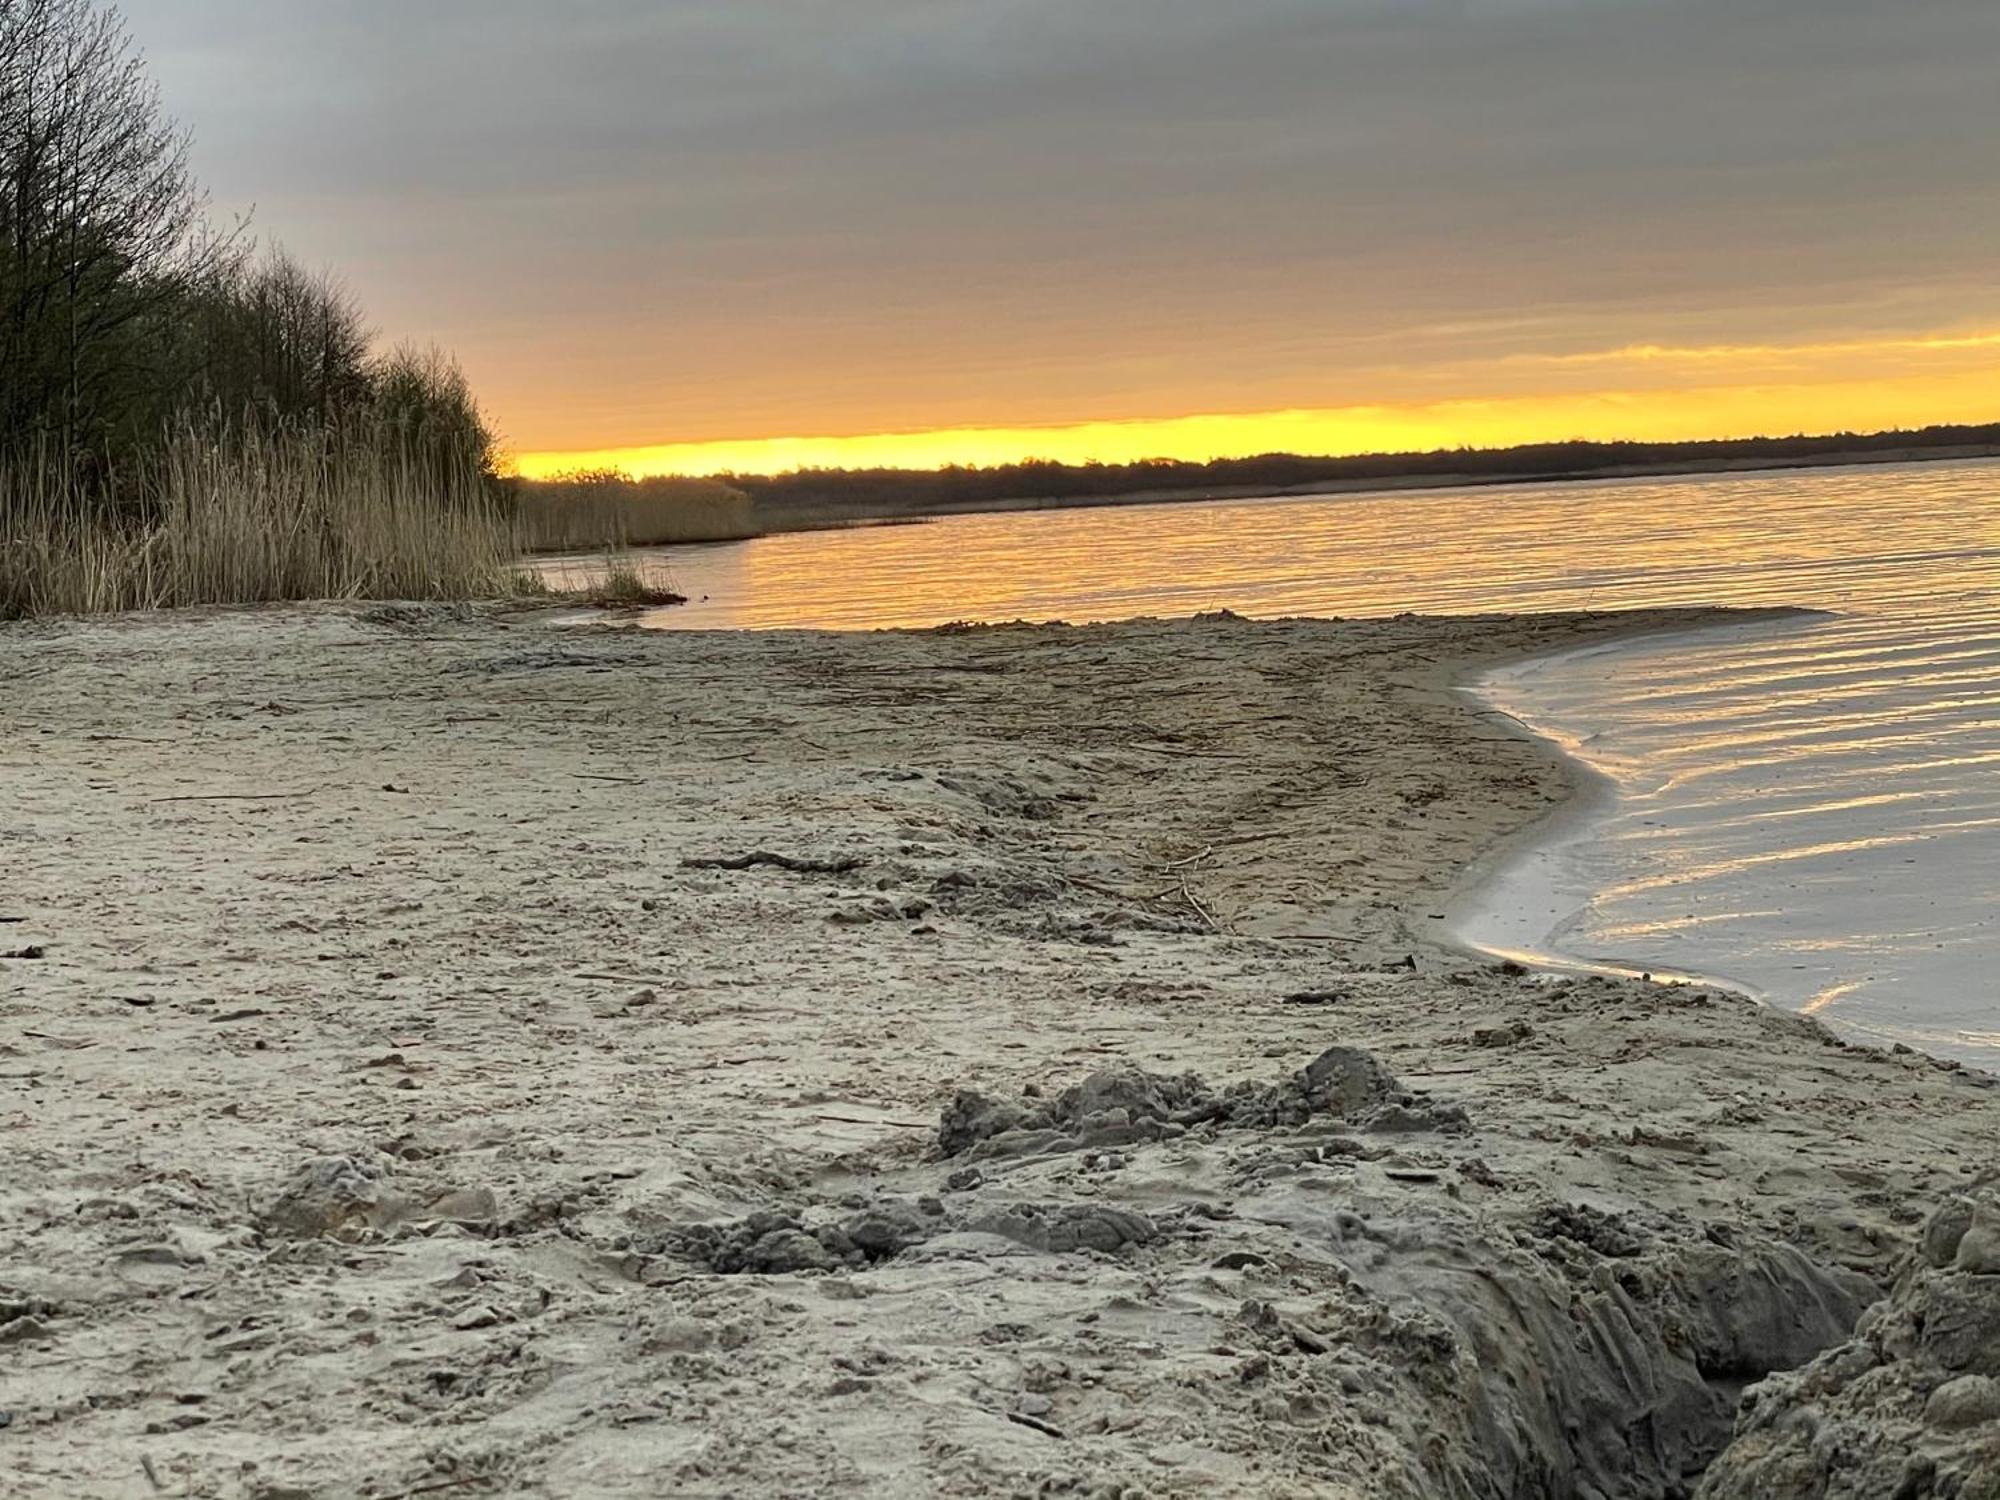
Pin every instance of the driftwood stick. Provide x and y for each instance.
(797, 864)
(1047, 1428)
(232, 797)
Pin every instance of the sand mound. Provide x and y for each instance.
(1910, 1405)
(1118, 1107)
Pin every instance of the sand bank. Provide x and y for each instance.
(466, 1058)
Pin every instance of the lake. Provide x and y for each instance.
(1808, 809)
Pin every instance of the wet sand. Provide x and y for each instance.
(469, 1058)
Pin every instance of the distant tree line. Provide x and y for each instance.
(127, 316)
(836, 493)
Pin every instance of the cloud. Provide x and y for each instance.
(946, 193)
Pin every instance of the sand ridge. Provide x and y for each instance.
(471, 1055)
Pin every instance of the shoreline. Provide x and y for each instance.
(1590, 794)
(594, 1062)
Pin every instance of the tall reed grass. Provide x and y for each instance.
(252, 517)
(607, 509)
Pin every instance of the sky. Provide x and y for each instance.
(693, 235)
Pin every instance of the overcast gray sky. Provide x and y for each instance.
(697, 219)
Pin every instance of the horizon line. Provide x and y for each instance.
(1823, 435)
(1869, 410)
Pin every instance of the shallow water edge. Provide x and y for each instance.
(1559, 894)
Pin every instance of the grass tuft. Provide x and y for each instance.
(629, 585)
(611, 580)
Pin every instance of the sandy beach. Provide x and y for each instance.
(447, 1054)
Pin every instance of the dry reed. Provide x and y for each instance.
(593, 510)
(251, 518)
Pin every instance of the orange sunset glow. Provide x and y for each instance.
(1857, 386)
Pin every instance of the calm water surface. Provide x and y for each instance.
(1810, 809)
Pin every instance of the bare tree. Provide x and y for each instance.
(277, 340)
(101, 225)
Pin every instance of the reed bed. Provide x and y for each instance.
(250, 518)
(588, 511)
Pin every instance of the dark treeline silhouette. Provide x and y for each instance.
(809, 495)
(126, 315)
(185, 419)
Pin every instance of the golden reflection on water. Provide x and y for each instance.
(1837, 538)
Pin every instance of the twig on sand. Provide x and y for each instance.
(1180, 867)
(593, 776)
(232, 797)
(1048, 1428)
(797, 864)
(1187, 893)
(152, 1474)
(859, 1120)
